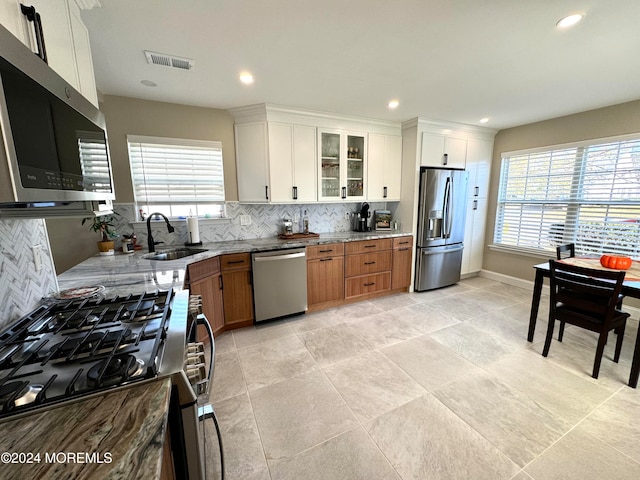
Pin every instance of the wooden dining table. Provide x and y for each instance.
(630, 288)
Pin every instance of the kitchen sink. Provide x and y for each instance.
(174, 254)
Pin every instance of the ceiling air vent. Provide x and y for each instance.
(155, 58)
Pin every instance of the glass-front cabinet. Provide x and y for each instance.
(342, 164)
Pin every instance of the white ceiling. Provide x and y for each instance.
(456, 60)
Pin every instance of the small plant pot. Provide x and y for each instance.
(106, 248)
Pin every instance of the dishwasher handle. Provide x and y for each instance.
(272, 258)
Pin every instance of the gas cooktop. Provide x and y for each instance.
(76, 348)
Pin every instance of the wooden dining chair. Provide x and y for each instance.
(587, 298)
(565, 251)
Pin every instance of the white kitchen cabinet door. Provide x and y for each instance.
(12, 19)
(474, 240)
(58, 38)
(442, 151)
(330, 165)
(251, 162)
(304, 163)
(479, 157)
(84, 60)
(292, 163)
(280, 162)
(384, 165)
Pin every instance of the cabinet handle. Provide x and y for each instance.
(231, 262)
(369, 263)
(325, 259)
(403, 249)
(369, 284)
(384, 192)
(326, 251)
(403, 243)
(33, 16)
(475, 204)
(295, 193)
(445, 159)
(369, 246)
(477, 191)
(220, 282)
(344, 192)
(266, 192)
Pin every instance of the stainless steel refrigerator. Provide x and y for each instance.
(441, 219)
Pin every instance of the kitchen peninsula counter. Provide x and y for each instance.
(123, 274)
(118, 434)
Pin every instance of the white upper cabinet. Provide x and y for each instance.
(251, 162)
(342, 166)
(66, 39)
(443, 151)
(384, 166)
(292, 162)
(12, 19)
(287, 155)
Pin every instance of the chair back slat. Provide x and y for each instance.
(565, 251)
(585, 289)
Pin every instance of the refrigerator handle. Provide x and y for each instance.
(447, 208)
(422, 207)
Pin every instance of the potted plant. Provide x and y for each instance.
(104, 225)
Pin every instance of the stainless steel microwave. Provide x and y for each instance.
(54, 149)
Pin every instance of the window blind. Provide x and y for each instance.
(94, 161)
(587, 194)
(176, 171)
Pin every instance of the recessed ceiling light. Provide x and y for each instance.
(246, 78)
(570, 20)
(393, 104)
(484, 120)
(148, 83)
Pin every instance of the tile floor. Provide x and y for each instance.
(434, 385)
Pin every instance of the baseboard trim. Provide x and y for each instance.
(528, 284)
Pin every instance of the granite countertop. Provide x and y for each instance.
(123, 274)
(115, 435)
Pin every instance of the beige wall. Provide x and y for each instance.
(132, 116)
(71, 242)
(604, 122)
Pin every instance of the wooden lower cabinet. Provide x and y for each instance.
(402, 254)
(325, 280)
(325, 275)
(210, 289)
(204, 279)
(237, 291)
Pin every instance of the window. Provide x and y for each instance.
(587, 194)
(177, 176)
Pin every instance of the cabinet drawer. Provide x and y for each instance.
(378, 282)
(367, 263)
(366, 246)
(235, 261)
(402, 242)
(203, 268)
(327, 250)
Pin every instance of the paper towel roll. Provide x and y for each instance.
(193, 230)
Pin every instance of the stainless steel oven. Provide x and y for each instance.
(79, 347)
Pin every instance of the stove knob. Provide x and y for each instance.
(195, 358)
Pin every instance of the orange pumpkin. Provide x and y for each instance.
(615, 262)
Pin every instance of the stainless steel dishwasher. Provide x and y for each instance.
(279, 283)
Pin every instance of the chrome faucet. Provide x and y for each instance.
(150, 242)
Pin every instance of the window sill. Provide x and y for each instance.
(183, 221)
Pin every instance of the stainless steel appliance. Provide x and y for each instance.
(79, 348)
(54, 145)
(441, 219)
(279, 283)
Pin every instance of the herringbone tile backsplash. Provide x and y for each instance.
(21, 285)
